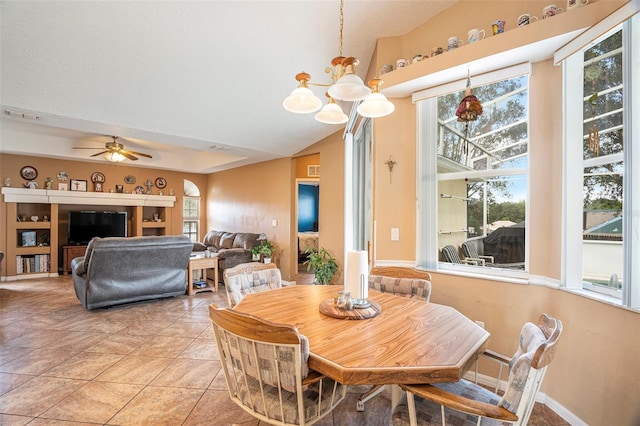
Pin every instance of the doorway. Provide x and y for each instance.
(307, 218)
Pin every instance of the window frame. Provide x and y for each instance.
(573, 171)
(191, 219)
(428, 178)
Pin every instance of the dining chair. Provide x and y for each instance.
(470, 252)
(461, 402)
(266, 371)
(405, 282)
(247, 278)
(450, 255)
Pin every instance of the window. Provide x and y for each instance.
(601, 193)
(475, 174)
(191, 211)
(191, 218)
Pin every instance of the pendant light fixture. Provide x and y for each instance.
(345, 86)
(376, 105)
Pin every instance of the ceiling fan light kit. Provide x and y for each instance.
(345, 86)
(115, 152)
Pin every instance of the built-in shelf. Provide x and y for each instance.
(52, 196)
(527, 44)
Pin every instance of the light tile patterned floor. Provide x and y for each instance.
(152, 363)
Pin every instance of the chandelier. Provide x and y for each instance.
(345, 86)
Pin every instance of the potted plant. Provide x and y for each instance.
(255, 253)
(266, 249)
(323, 265)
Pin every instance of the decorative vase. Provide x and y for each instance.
(267, 260)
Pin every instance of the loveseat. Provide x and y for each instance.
(232, 248)
(118, 270)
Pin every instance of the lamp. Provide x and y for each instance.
(345, 86)
(302, 100)
(376, 105)
(331, 113)
(115, 157)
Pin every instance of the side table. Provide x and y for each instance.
(202, 263)
(68, 254)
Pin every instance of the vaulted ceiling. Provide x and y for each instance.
(198, 85)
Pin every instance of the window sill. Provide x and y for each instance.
(485, 273)
(604, 298)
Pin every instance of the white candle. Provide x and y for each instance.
(357, 273)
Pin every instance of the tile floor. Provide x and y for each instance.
(152, 363)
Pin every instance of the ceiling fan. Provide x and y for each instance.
(115, 151)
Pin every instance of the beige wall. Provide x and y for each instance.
(10, 166)
(248, 199)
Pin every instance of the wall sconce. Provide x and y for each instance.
(390, 163)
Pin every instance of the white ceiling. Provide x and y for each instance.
(197, 84)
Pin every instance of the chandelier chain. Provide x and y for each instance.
(341, 23)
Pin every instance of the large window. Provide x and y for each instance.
(191, 218)
(601, 196)
(481, 185)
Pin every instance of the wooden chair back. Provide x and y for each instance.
(247, 278)
(406, 282)
(266, 371)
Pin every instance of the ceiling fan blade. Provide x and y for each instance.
(141, 154)
(100, 153)
(128, 155)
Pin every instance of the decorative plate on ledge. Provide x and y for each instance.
(97, 177)
(161, 183)
(28, 173)
(130, 179)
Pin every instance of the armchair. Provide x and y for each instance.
(455, 402)
(266, 371)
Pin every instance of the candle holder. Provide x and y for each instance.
(362, 302)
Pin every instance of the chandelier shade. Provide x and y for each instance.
(376, 105)
(331, 113)
(302, 100)
(349, 87)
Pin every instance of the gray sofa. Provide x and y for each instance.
(120, 270)
(232, 248)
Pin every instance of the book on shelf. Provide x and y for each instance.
(33, 263)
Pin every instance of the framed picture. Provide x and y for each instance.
(119, 189)
(28, 238)
(78, 185)
(63, 187)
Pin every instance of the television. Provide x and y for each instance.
(84, 225)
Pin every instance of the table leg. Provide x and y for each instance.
(215, 275)
(189, 280)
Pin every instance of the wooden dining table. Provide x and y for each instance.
(409, 341)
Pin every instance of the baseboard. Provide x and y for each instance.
(560, 410)
(541, 397)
